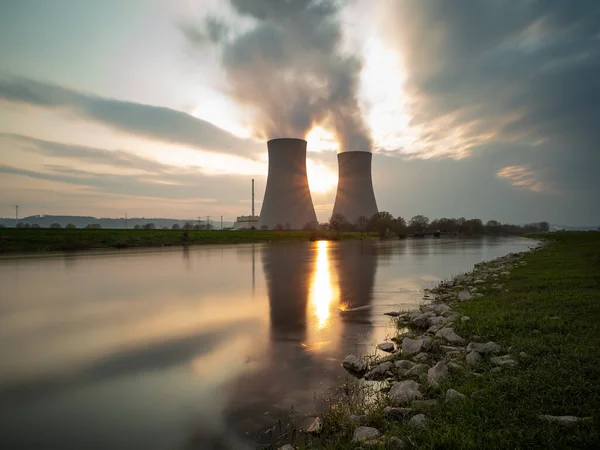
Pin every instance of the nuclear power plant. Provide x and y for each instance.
(287, 202)
(355, 196)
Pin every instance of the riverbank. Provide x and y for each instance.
(505, 356)
(13, 240)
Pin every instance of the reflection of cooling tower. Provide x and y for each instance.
(355, 196)
(356, 267)
(287, 199)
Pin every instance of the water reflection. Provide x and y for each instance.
(323, 292)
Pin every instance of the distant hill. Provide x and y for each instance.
(554, 227)
(45, 221)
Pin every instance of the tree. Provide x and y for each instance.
(310, 226)
(337, 222)
(176, 227)
(149, 226)
(399, 226)
(264, 228)
(188, 225)
(23, 225)
(361, 224)
(544, 227)
(381, 223)
(35, 225)
(279, 227)
(56, 225)
(95, 226)
(493, 227)
(137, 227)
(418, 224)
(70, 226)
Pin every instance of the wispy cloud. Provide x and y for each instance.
(524, 177)
(152, 122)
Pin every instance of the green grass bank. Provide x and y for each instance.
(14, 240)
(547, 318)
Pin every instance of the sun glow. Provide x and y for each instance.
(322, 291)
(319, 139)
(320, 177)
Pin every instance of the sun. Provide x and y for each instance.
(320, 177)
(319, 139)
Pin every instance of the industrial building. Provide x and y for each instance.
(246, 223)
(287, 202)
(355, 196)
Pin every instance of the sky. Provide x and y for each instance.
(472, 108)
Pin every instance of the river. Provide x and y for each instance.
(200, 347)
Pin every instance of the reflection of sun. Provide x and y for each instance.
(322, 291)
(320, 177)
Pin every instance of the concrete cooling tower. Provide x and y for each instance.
(287, 200)
(355, 196)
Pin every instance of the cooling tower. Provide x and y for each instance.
(287, 200)
(355, 196)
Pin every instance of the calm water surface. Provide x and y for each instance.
(200, 346)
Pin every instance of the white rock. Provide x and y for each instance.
(437, 373)
(417, 370)
(452, 365)
(464, 295)
(379, 371)
(449, 335)
(484, 349)
(286, 447)
(403, 392)
(404, 364)
(505, 273)
(417, 421)
(465, 318)
(362, 434)
(354, 365)
(504, 360)
(441, 308)
(386, 347)
(473, 358)
(421, 357)
(564, 420)
(452, 395)
(316, 426)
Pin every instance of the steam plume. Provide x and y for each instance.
(290, 70)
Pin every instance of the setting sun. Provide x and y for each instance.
(320, 177)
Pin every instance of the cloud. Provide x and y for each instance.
(522, 176)
(152, 122)
(517, 78)
(289, 68)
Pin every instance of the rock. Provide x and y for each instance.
(286, 447)
(496, 369)
(404, 364)
(392, 313)
(504, 360)
(478, 281)
(448, 348)
(354, 366)
(498, 287)
(453, 355)
(449, 335)
(434, 329)
(438, 321)
(379, 371)
(421, 321)
(484, 349)
(523, 355)
(411, 346)
(473, 357)
(395, 412)
(437, 373)
(505, 273)
(453, 396)
(564, 420)
(363, 434)
(386, 347)
(417, 421)
(465, 318)
(440, 308)
(355, 419)
(316, 426)
(403, 392)
(464, 295)
(396, 443)
(417, 370)
(452, 365)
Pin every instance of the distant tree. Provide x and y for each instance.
(35, 225)
(188, 225)
(381, 223)
(149, 226)
(279, 227)
(264, 228)
(165, 227)
(70, 226)
(2, 225)
(544, 227)
(337, 222)
(418, 224)
(55, 225)
(176, 227)
(95, 226)
(310, 226)
(23, 225)
(399, 226)
(199, 226)
(476, 226)
(493, 227)
(137, 227)
(288, 226)
(361, 224)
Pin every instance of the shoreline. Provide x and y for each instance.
(442, 381)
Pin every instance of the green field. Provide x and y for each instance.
(551, 313)
(47, 239)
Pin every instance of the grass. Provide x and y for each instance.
(551, 312)
(46, 239)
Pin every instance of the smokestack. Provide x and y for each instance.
(355, 196)
(287, 200)
(252, 197)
